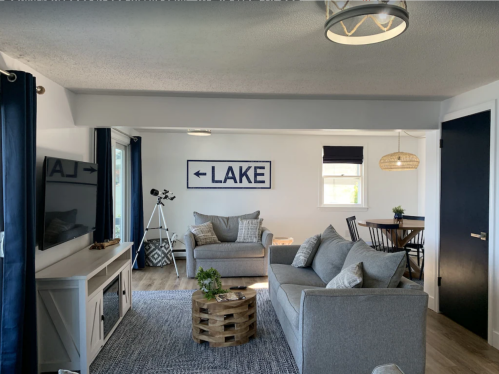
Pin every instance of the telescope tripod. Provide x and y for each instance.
(161, 217)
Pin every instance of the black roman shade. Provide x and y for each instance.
(343, 155)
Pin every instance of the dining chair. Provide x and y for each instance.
(385, 238)
(416, 245)
(352, 227)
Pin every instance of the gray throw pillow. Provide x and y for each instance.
(381, 270)
(331, 254)
(204, 234)
(306, 252)
(350, 277)
(226, 228)
(250, 231)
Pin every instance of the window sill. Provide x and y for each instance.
(340, 208)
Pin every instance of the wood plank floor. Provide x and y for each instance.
(450, 348)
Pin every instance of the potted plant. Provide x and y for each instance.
(398, 213)
(210, 282)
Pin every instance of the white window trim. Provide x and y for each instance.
(117, 138)
(345, 207)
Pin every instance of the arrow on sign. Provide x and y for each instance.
(91, 169)
(198, 173)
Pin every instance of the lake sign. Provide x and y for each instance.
(211, 174)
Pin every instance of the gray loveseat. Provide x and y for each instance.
(231, 259)
(346, 331)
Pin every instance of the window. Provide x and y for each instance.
(342, 179)
(120, 191)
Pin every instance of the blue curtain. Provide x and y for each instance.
(104, 222)
(137, 221)
(18, 353)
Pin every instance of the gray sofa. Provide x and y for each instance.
(346, 331)
(231, 259)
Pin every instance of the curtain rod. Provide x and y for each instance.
(12, 77)
(124, 133)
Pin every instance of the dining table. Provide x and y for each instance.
(407, 230)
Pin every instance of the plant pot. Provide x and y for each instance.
(398, 217)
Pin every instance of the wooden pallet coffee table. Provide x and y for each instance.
(225, 324)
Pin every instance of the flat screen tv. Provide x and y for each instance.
(70, 201)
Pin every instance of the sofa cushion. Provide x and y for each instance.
(280, 274)
(331, 254)
(229, 250)
(381, 270)
(306, 252)
(226, 228)
(289, 297)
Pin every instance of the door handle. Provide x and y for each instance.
(482, 235)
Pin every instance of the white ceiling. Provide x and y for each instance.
(250, 49)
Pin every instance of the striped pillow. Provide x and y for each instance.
(250, 231)
(204, 234)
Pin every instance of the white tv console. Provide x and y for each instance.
(70, 305)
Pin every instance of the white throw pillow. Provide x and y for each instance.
(350, 277)
(250, 231)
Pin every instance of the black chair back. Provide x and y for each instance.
(384, 236)
(352, 227)
(415, 246)
(415, 218)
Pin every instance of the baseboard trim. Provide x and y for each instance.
(431, 304)
(495, 339)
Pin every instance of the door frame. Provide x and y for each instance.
(123, 141)
(493, 239)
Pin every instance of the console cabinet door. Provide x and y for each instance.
(95, 326)
(126, 290)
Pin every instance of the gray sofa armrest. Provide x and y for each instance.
(406, 283)
(381, 325)
(282, 254)
(267, 237)
(190, 244)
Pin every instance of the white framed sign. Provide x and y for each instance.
(216, 174)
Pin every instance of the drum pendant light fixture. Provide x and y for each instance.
(365, 22)
(399, 161)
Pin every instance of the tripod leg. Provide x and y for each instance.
(169, 241)
(143, 237)
(160, 238)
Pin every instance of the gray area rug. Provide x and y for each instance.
(155, 338)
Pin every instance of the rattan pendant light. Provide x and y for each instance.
(399, 161)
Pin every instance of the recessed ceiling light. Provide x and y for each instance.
(199, 132)
(365, 22)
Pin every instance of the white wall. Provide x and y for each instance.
(480, 99)
(421, 176)
(184, 112)
(290, 208)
